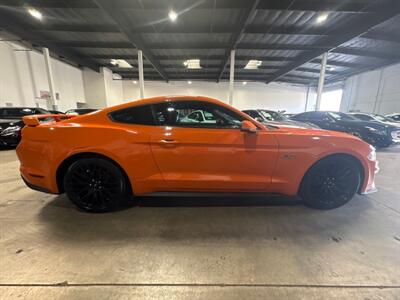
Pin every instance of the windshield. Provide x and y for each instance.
(338, 116)
(272, 115)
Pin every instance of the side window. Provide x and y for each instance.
(141, 115)
(196, 114)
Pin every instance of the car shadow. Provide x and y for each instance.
(191, 219)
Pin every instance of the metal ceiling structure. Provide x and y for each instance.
(284, 34)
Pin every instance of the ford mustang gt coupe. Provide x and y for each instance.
(149, 147)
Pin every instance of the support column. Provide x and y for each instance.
(321, 80)
(231, 77)
(307, 96)
(50, 78)
(141, 79)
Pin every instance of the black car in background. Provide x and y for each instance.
(11, 123)
(274, 118)
(374, 133)
(79, 111)
(374, 118)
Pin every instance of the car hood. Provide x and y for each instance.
(375, 125)
(315, 132)
(291, 124)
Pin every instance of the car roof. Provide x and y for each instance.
(165, 99)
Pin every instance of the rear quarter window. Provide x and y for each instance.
(141, 115)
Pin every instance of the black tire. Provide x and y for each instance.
(330, 183)
(95, 185)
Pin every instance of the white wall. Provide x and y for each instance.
(252, 95)
(375, 91)
(23, 76)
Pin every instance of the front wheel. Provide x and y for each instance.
(95, 184)
(330, 183)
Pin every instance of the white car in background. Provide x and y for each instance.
(395, 117)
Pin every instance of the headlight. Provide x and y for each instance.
(372, 154)
(11, 130)
(375, 131)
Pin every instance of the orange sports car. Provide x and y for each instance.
(186, 145)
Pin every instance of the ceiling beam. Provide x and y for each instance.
(246, 18)
(366, 53)
(110, 9)
(239, 58)
(382, 36)
(109, 28)
(300, 5)
(344, 75)
(187, 29)
(345, 31)
(93, 44)
(13, 26)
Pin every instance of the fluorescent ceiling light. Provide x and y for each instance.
(35, 13)
(192, 64)
(244, 82)
(120, 63)
(322, 18)
(189, 82)
(253, 64)
(172, 15)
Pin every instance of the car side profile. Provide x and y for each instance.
(144, 148)
(374, 133)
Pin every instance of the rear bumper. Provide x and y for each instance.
(36, 187)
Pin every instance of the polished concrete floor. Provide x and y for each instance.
(200, 249)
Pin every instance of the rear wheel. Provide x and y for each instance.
(330, 183)
(95, 184)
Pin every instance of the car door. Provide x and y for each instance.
(213, 155)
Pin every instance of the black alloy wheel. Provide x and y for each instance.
(331, 183)
(95, 184)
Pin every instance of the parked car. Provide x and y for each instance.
(11, 123)
(376, 134)
(395, 117)
(374, 118)
(271, 117)
(144, 148)
(79, 111)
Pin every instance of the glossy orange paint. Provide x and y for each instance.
(164, 158)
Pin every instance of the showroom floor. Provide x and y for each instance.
(48, 249)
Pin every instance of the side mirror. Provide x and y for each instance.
(249, 127)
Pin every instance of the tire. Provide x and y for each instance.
(95, 185)
(330, 183)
